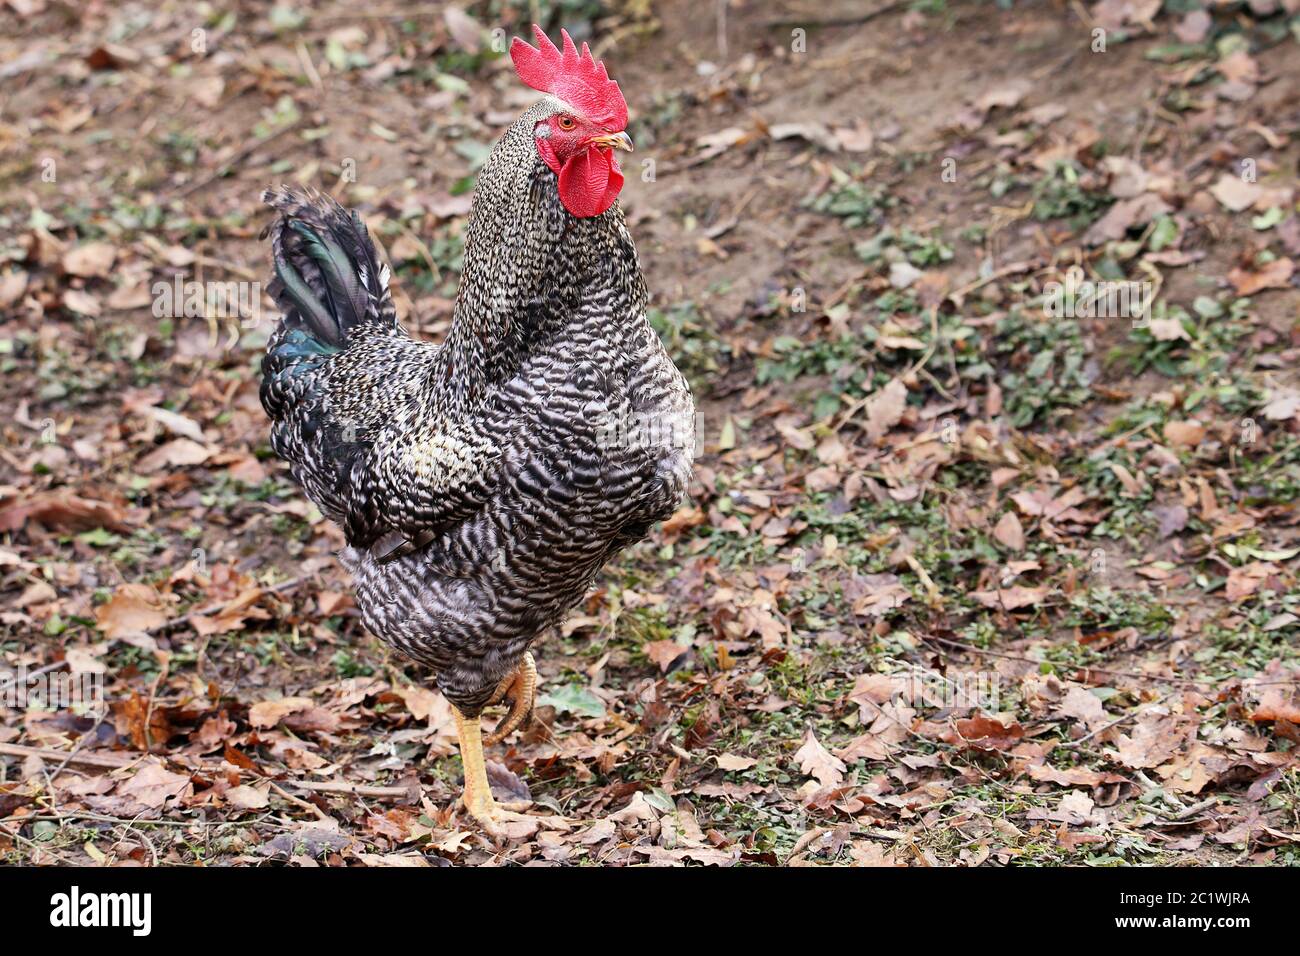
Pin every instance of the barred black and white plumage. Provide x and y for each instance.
(481, 483)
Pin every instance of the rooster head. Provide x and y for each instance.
(578, 138)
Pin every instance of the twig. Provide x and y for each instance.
(298, 801)
(1192, 810)
(1114, 723)
(958, 296)
(86, 760)
(76, 749)
(720, 229)
(356, 789)
(309, 68)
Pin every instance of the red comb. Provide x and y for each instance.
(575, 77)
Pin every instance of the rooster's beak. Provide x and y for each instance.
(613, 141)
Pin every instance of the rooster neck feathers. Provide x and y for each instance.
(529, 266)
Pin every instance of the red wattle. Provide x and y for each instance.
(590, 182)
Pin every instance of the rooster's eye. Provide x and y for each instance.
(566, 122)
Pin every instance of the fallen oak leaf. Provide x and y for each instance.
(175, 423)
(1154, 740)
(664, 653)
(132, 611)
(424, 704)
(1076, 807)
(1069, 777)
(1126, 214)
(681, 520)
(153, 785)
(1082, 704)
(816, 761)
(889, 728)
(885, 409)
(1167, 329)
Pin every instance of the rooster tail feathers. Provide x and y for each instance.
(328, 276)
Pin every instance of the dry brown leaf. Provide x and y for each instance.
(1125, 215)
(1082, 704)
(885, 409)
(245, 797)
(663, 653)
(268, 713)
(1193, 27)
(464, 29)
(178, 453)
(1155, 738)
(1186, 434)
(1009, 533)
(682, 519)
(153, 785)
(816, 761)
(81, 302)
(1234, 193)
(985, 733)
(1274, 275)
(12, 286)
(1010, 599)
(132, 611)
(92, 260)
(735, 762)
(424, 704)
(1168, 329)
(1283, 403)
(63, 511)
(1278, 702)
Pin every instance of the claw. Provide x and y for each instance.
(522, 688)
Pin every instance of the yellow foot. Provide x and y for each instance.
(500, 820)
(521, 688)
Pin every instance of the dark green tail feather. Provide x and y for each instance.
(319, 319)
(329, 278)
(341, 280)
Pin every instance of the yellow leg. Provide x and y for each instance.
(522, 688)
(492, 816)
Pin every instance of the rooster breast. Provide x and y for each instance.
(596, 432)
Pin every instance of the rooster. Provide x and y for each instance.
(482, 483)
